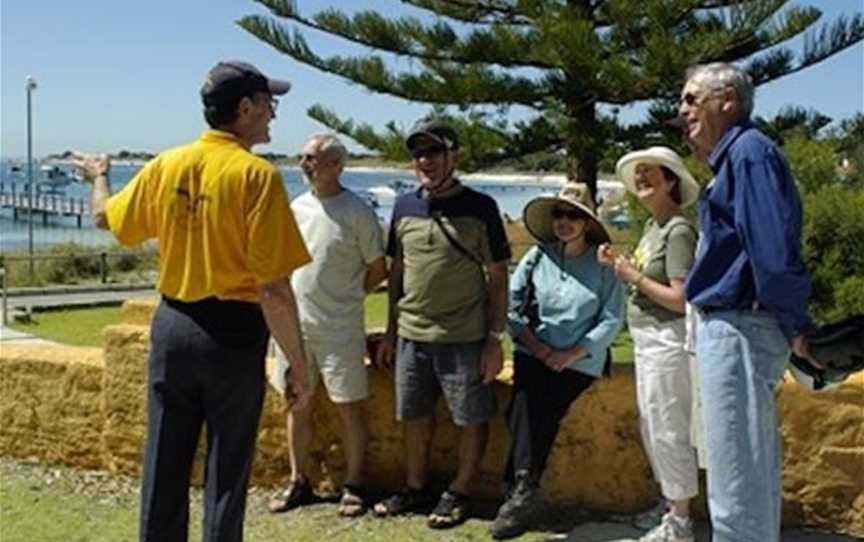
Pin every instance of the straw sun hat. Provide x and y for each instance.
(537, 215)
(658, 156)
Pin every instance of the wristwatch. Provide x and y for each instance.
(497, 334)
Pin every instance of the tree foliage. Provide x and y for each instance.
(849, 138)
(561, 59)
(834, 250)
(833, 237)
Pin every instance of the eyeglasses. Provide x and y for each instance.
(428, 152)
(274, 103)
(569, 214)
(307, 157)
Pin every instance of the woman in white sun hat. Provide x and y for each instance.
(565, 309)
(655, 314)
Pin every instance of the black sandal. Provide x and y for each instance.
(451, 510)
(298, 493)
(407, 501)
(353, 502)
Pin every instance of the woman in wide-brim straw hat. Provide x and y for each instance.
(655, 312)
(565, 308)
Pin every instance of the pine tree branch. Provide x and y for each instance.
(482, 13)
(482, 143)
(579, 54)
(409, 37)
(744, 41)
(456, 84)
(830, 40)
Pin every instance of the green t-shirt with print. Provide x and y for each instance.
(665, 252)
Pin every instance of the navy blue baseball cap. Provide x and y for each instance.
(435, 130)
(231, 80)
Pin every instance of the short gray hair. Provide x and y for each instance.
(716, 76)
(331, 143)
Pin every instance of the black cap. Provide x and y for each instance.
(433, 129)
(231, 80)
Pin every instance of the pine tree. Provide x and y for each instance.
(561, 59)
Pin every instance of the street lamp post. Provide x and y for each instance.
(31, 86)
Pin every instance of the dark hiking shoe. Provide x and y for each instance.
(519, 512)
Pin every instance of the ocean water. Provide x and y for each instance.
(511, 192)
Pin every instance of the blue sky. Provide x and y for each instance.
(118, 75)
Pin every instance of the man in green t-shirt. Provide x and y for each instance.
(448, 302)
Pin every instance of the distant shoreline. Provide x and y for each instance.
(525, 178)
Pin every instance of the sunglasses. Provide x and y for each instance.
(428, 152)
(693, 99)
(569, 214)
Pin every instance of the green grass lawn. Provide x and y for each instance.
(83, 327)
(78, 327)
(52, 504)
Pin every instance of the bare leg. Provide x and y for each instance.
(299, 436)
(472, 445)
(680, 508)
(418, 441)
(356, 436)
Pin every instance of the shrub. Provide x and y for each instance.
(834, 250)
(814, 162)
(71, 266)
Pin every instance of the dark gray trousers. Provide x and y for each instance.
(206, 366)
(541, 398)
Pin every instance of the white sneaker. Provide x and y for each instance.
(650, 518)
(671, 530)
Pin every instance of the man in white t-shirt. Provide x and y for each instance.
(344, 239)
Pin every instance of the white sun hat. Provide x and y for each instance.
(658, 156)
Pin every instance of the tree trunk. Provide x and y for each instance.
(583, 144)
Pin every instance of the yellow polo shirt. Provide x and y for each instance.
(221, 217)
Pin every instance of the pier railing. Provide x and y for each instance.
(46, 204)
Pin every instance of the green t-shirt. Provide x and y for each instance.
(444, 290)
(665, 252)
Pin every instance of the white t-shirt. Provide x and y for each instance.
(343, 236)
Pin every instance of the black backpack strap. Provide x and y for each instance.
(607, 365)
(529, 300)
(436, 216)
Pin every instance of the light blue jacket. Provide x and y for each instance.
(580, 302)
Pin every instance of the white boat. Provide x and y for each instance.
(386, 193)
(383, 194)
(52, 178)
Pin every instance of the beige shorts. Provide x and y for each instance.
(340, 365)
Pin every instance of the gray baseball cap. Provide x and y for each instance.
(436, 130)
(231, 80)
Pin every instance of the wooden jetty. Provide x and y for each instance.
(46, 204)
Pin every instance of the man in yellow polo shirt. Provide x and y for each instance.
(228, 243)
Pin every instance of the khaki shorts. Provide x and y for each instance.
(340, 365)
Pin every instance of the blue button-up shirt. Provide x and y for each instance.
(750, 215)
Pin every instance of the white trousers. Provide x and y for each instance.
(664, 396)
(697, 431)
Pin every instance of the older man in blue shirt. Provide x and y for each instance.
(751, 287)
